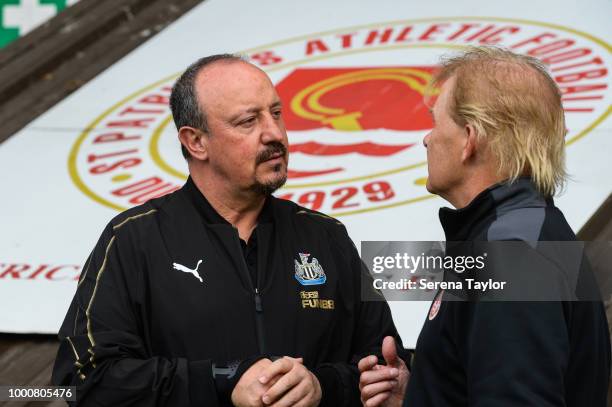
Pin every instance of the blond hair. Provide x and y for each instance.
(515, 106)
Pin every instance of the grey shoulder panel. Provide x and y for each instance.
(519, 224)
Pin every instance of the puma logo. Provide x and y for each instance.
(188, 270)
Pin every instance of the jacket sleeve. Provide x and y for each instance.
(373, 322)
(517, 353)
(516, 348)
(102, 350)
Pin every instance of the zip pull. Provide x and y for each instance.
(259, 326)
(258, 305)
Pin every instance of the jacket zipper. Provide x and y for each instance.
(259, 322)
(259, 326)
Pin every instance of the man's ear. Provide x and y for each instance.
(471, 143)
(195, 141)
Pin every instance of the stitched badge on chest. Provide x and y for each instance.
(309, 273)
(435, 307)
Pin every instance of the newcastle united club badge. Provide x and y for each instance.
(309, 273)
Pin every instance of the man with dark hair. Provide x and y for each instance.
(219, 293)
(184, 99)
(496, 153)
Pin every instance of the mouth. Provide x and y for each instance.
(276, 153)
(276, 157)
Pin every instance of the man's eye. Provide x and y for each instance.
(247, 122)
(277, 114)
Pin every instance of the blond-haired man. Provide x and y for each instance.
(496, 153)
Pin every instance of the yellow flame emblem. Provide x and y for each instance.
(307, 105)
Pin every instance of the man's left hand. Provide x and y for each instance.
(297, 386)
(382, 385)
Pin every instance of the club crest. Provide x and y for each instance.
(435, 306)
(309, 273)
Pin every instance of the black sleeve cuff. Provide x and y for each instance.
(331, 386)
(202, 390)
(227, 376)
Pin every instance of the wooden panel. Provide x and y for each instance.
(26, 359)
(54, 60)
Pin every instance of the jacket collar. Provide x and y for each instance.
(210, 215)
(493, 201)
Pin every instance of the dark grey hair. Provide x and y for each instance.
(184, 98)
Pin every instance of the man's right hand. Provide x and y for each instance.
(249, 391)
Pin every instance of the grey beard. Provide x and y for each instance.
(269, 188)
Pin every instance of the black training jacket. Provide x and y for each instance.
(502, 354)
(166, 294)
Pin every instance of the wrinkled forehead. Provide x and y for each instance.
(233, 84)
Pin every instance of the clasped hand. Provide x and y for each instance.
(284, 382)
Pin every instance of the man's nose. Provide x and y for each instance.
(272, 130)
